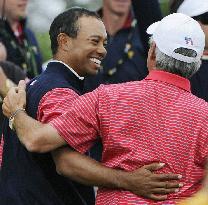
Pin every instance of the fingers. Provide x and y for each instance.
(164, 191)
(21, 86)
(6, 110)
(154, 166)
(157, 198)
(16, 98)
(167, 185)
(168, 177)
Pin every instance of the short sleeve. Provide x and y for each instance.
(54, 103)
(79, 125)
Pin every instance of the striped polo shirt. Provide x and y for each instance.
(153, 120)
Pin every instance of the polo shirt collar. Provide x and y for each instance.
(205, 55)
(71, 69)
(170, 78)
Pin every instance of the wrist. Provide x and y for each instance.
(12, 117)
(121, 180)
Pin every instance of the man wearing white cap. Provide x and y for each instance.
(198, 10)
(153, 120)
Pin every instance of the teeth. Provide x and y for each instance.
(95, 60)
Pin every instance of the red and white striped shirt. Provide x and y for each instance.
(154, 120)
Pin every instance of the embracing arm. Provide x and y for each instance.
(142, 181)
(34, 135)
(38, 137)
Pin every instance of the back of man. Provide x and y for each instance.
(158, 115)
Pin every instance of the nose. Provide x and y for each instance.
(102, 51)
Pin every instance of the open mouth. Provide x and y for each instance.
(96, 61)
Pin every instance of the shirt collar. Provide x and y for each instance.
(71, 69)
(128, 22)
(170, 78)
(205, 55)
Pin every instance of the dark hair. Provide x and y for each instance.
(174, 5)
(203, 18)
(12, 71)
(66, 22)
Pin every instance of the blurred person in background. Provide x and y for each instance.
(20, 42)
(197, 9)
(78, 37)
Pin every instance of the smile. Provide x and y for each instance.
(96, 61)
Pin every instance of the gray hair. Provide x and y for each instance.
(171, 65)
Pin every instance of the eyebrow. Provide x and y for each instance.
(95, 36)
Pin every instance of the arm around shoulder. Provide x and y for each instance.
(36, 136)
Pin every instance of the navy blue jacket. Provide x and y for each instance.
(28, 178)
(199, 81)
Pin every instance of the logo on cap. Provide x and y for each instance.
(189, 41)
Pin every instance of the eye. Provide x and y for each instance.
(95, 41)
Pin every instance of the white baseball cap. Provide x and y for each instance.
(193, 7)
(178, 31)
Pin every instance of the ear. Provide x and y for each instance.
(151, 60)
(152, 51)
(64, 42)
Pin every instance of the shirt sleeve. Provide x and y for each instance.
(54, 103)
(79, 125)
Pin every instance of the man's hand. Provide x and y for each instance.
(15, 99)
(3, 87)
(145, 183)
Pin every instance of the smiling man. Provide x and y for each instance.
(78, 38)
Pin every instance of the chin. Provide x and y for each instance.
(93, 72)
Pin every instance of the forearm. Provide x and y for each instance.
(87, 171)
(141, 182)
(35, 136)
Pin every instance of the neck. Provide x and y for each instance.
(55, 58)
(60, 57)
(113, 22)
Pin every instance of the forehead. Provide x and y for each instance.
(91, 26)
(10, 3)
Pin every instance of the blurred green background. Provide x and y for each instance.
(43, 38)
